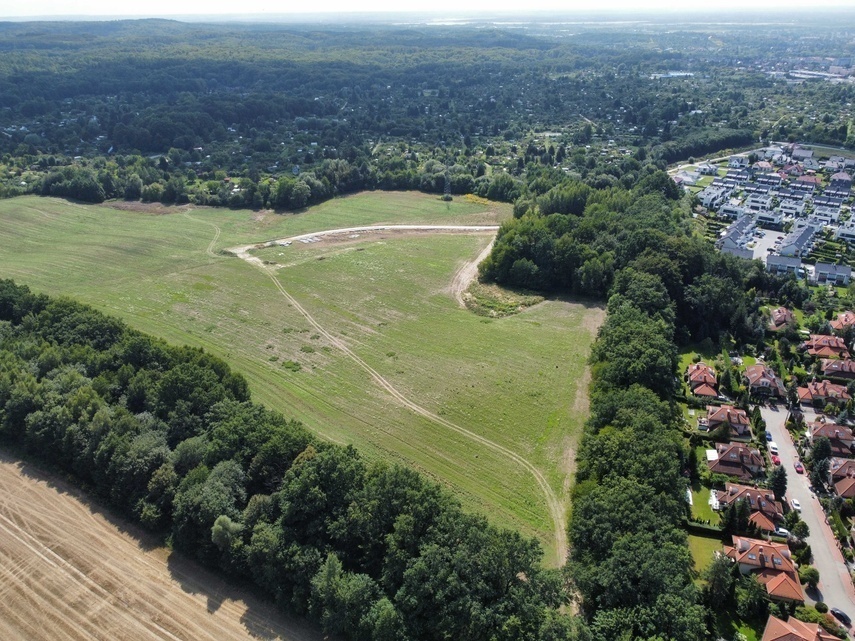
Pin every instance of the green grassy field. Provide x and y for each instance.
(702, 549)
(518, 381)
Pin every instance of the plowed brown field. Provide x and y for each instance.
(70, 571)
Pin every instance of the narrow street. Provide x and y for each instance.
(835, 587)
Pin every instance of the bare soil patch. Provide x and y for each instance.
(154, 209)
(70, 572)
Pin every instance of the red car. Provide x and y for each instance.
(799, 467)
(776, 459)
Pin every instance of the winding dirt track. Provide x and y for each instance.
(69, 572)
(553, 504)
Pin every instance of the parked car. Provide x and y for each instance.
(782, 532)
(773, 447)
(796, 505)
(776, 459)
(841, 616)
(800, 469)
(768, 436)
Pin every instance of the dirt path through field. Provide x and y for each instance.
(466, 274)
(554, 505)
(69, 572)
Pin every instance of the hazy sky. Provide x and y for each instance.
(492, 7)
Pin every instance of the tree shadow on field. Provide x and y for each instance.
(68, 485)
(261, 619)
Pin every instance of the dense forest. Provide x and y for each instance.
(284, 116)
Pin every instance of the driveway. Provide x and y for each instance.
(835, 587)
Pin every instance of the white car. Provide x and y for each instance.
(782, 532)
(796, 505)
(773, 447)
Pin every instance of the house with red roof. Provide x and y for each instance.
(825, 391)
(735, 459)
(843, 320)
(766, 512)
(825, 346)
(841, 437)
(842, 474)
(794, 630)
(780, 318)
(835, 368)
(771, 564)
(736, 419)
(702, 380)
(761, 380)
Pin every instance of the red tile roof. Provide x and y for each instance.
(761, 377)
(841, 467)
(829, 392)
(845, 487)
(836, 367)
(700, 374)
(759, 500)
(843, 320)
(828, 346)
(705, 390)
(736, 459)
(794, 630)
(780, 317)
(772, 564)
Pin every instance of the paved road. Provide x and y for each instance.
(835, 587)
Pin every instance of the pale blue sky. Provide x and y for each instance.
(266, 7)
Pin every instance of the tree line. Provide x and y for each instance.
(169, 437)
(665, 287)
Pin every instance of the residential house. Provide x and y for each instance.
(771, 564)
(829, 199)
(826, 214)
(834, 368)
(740, 176)
(737, 235)
(782, 265)
(825, 346)
(762, 381)
(736, 419)
(800, 155)
(770, 219)
(842, 474)
(737, 162)
(798, 243)
(841, 181)
(730, 211)
(825, 392)
(794, 630)
(712, 197)
(831, 274)
(768, 180)
(766, 512)
(758, 203)
(702, 380)
(846, 231)
(762, 166)
(735, 459)
(791, 207)
(792, 170)
(781, 317)
(811, 164)
(840, 436)
(843, 320)
(706, 169)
